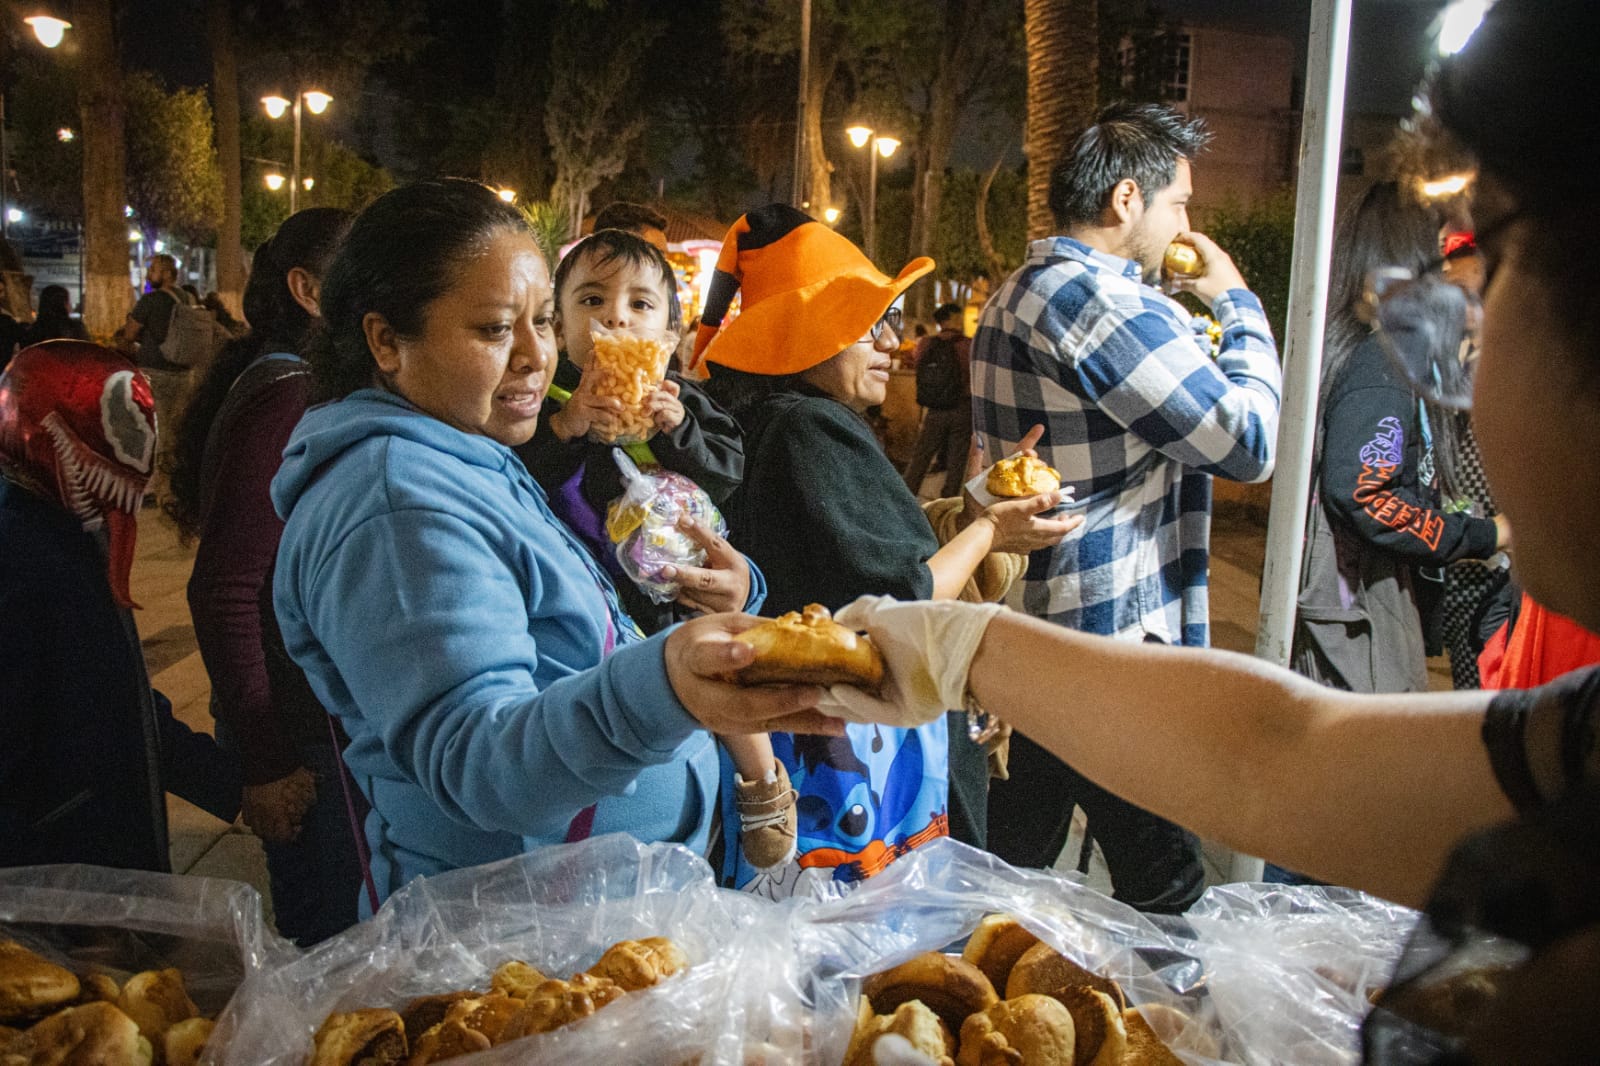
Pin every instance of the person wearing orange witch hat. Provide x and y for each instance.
(87, 748)
(827, 517)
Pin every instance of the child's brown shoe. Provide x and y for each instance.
(766, 820)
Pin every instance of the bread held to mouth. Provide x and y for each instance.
(809, 648)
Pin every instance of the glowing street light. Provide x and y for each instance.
(135, 235)
(14, 214)
(1458, 22)
(274, 181)
(48, 29)
(877, 144)
(508, 195)
(65, 135)
(317, 101)
(830, 215)
(307, 182)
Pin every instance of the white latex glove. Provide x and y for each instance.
(927, 646)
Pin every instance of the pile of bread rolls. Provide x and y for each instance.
(48, 1015)
(1053, 1013)
(520, 1002)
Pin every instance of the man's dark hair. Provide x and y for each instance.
(632, 217)
(945, 312)
(1139, 141)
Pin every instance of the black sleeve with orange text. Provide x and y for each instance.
(1371, 479)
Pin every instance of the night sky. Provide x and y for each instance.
(1389, 48)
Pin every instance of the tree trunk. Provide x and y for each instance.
(225, 105)
(1063, 75)
(819, 172)
(107, 294)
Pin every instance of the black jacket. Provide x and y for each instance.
(1377, 478)
(87, 750)
(705, 447)
(822, 511)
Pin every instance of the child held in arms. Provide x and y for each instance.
(621, 283)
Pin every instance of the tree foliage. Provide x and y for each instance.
(342, 177)
(1260, 238)
(174, 185)
(591, 117)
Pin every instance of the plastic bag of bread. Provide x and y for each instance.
(1253, 974)
(108, 965)
(643, 524)
(606, 950)
(628, 367)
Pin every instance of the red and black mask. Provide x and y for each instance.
(78, 423)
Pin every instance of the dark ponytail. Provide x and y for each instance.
(278, 323)
(400, 255)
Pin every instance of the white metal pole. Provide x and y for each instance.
(871, 226)
(802, 157)
(294, 180)
(1315, 196)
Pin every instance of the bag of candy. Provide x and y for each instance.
(643, 524)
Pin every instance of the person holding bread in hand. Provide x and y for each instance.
(496, 696)
(826, 516)
(1483, 806)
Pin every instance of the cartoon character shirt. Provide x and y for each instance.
(865, 799)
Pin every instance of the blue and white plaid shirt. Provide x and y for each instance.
(1138, 417)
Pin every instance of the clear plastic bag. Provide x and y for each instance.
(629, 367)
(1249, 968)
(1294, 968)
(557, 909)
(643, 524)
(121, 922)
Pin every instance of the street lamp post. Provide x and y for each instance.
(276, 106)
(876, 144)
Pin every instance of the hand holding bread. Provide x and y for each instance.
(927, 647)
(702, 653)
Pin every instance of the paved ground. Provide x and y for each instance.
(202, 844)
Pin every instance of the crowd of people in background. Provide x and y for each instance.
(425, 655)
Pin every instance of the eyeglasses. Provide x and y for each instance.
(892, 320)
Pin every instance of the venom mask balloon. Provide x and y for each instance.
(78, 425)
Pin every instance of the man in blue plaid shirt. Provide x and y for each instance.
(1138, 418)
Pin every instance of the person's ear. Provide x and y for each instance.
(382, 342)
(557, 330)
(305, 289)
(1127, 202)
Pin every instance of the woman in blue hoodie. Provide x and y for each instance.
(496, 696)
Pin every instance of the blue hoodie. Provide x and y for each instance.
(453, 624)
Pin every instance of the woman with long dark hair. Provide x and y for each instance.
(230, 443)
(54, 320)
(1378, 529)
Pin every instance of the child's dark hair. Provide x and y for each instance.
(307, 239)
(614, 244)
(400, 255)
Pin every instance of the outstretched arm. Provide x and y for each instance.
(1366, 791)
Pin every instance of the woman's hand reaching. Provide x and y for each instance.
(700, 653)
(1022, 526)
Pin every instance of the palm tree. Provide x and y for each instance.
(105, 185)
(1063, 79)
(225, 91)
